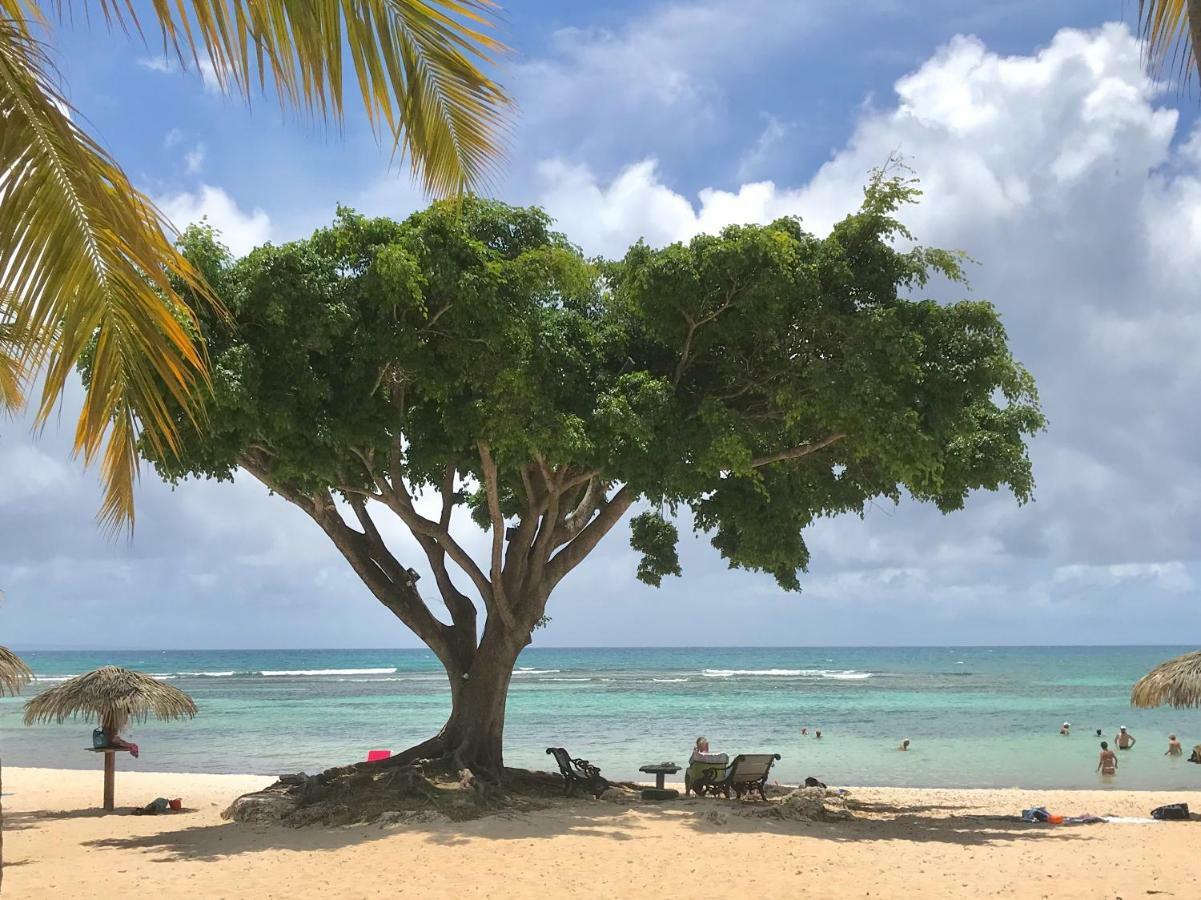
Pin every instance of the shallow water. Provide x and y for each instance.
(977, 716)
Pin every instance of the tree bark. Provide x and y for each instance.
(474, 733)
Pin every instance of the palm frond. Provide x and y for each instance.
(12, 374)
(418, 63)
(1172, 30)
(88, 268)
(14, 674)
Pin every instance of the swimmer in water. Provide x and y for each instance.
(1174, 748)
(904, 744)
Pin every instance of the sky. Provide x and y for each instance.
(1044, 151)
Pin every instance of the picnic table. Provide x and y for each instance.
(659, 770)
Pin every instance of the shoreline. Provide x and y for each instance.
(1111, 787)
(946, 841)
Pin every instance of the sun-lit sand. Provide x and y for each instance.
(905, 843)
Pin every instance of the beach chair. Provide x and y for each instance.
(578, 772)
(747, 773)
(701, 774)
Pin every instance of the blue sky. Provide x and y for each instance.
(1045, 153)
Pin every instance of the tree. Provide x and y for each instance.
(1172, 29)
(759, 379)
(85, 264)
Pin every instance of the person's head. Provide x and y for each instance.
(1105, 745)
(1067, 725)
(702, 744)
(1098, 732)
(1171, 737)
(818, 732)
(1122, 729)
(905, 743)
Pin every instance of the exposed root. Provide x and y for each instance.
(428, 791)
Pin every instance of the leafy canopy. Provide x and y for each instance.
(761, 377)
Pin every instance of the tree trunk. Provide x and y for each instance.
(473, 735)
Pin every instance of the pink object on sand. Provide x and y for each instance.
(375, 755)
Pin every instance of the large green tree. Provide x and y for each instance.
(753, 381)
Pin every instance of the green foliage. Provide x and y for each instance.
(684, 373)
(656, 539)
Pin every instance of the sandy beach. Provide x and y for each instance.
(901, 843)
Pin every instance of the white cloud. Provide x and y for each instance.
(158, 64)
(1058, 172)
(757, 159)
(194, 159)
(172, 137)
(240, 231)
(168, 66)
(663, 77)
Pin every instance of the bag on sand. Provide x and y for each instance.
(1173, 812)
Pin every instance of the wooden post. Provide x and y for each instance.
(110, 772)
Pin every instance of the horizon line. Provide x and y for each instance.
(80, 649)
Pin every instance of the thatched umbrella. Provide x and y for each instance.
(112, 696)
(14, 674)
(1174, 683)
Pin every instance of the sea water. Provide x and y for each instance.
(976, 716)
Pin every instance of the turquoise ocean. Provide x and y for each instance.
(977, 716)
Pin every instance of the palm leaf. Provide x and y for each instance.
(418, 64)
(14, 674)
(1172, 29)
(85, 260)
(12, 375)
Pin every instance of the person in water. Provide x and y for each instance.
(818, 734)
(904, 744)
(1124, 739)
(1065, 729)
(1098, 732)
(804, 731)
(1107, 764)
(1174, 748)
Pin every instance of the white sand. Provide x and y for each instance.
(909, 843)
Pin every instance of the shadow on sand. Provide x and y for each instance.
(874, 823)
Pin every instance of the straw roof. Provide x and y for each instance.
(1174, 683)
(14, 674)
(110, 694)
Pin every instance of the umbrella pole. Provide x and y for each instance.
(110, 777)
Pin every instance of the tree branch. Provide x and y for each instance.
(584, 542)
(796, 452)
(400, 502)
(368, 556)
(492, 491)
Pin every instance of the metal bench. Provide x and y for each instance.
(578, 772)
